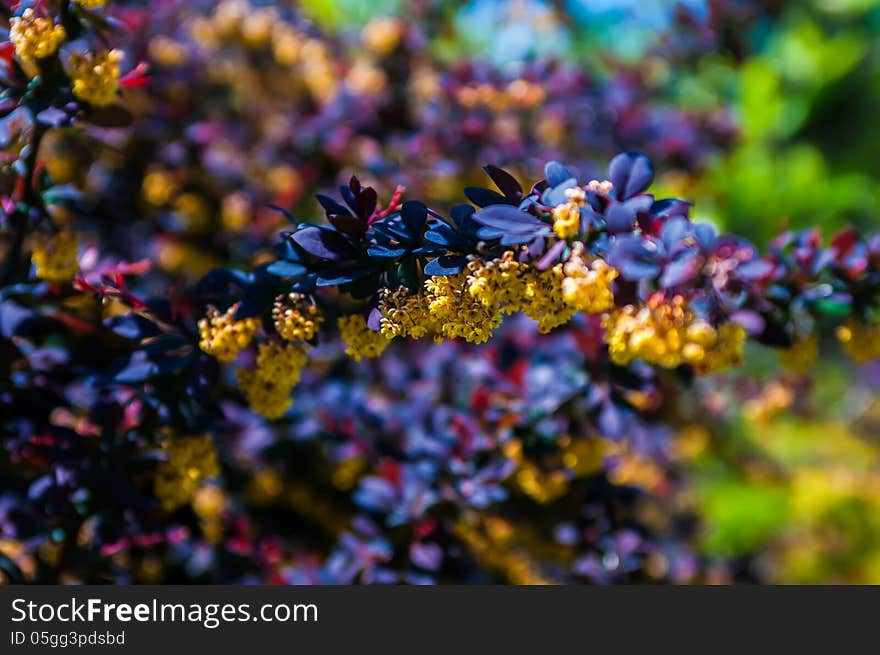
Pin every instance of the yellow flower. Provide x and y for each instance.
(802, 355)
(222, 336)
(265, 397)
(256, 28)
(567, 216)
(189, 460)
(668, 334)
(860, 341)
(498, 283)
(55, 258)
(299, 322)
(405, 314)
(361, 340)
(544, 300)
(35, 37)
(458, 313)
(588, 289)
(268, 388)
(286, 44)
(96, 76)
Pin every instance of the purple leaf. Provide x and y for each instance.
(619, 218)
(325, 243)
(630, 173)
(505, 182)
(414, 215)
(507, 218)
(555, 173)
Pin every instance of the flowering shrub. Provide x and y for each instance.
(669, 292)
(400, 393)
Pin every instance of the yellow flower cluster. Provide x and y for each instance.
(458, 313)
(802, 355)
(498, 283)
(471, 304)
(860, 341)
(188, 461)
(544, 300)
(55, 258)
(91, 4)
(222, 336)
(406, 314)
(567, 216)
(299, 322)
(518, 93)
(361, 340)
(588, 288)
(668, 334)
(96, 76)
(268, 387)
(35, 37)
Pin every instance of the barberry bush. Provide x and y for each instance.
(199, 386)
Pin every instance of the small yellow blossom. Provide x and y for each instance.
(222, 336)
(35, 37)
(668, 334)
(229, 16)
(860, 340)
(567, 216)
(286, 44)
(256, 28)
(406, 314)
(55, 258)
(189, 461)
(360, 339)
(299, 322)
(596, 186)
(267, 398)
(459, 314)
(268, 388)
(588, 288)
(544, 299)
(498, 283)
(96, 76)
